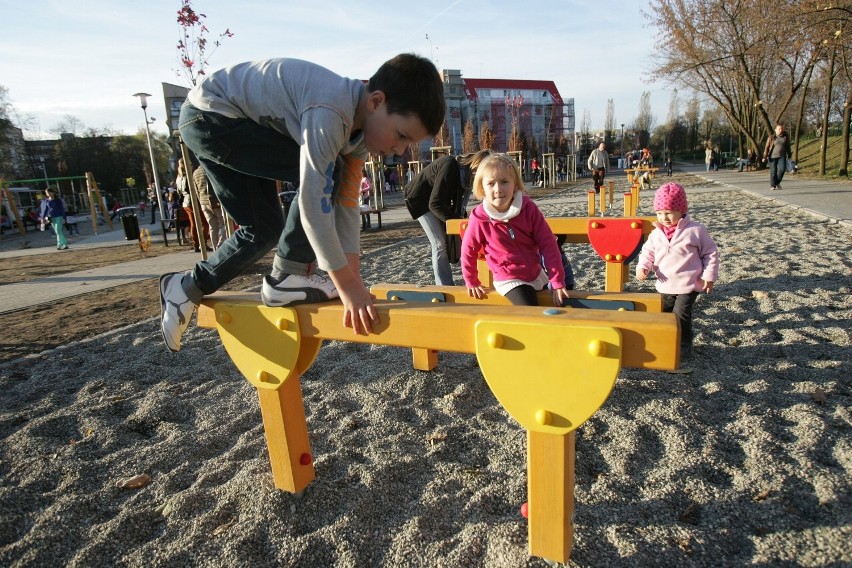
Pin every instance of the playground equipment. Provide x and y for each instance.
(616, 240)
(548, 167)
(427, 359)
(273, 347)
(638, 178)
(606, 201)
(94, 198)
(193, 197)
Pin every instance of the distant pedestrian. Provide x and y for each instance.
(53, 211)
(598, 162)
(776, 152)
(152, 201)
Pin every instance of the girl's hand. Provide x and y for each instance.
(477, 292)
(641, 274)
(708, 286)
(560, 295)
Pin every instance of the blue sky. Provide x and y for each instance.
(86, 58)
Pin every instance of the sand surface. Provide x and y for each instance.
(745, 461)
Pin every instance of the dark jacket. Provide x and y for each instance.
(770, 142)
(437, 188)
(53, 208)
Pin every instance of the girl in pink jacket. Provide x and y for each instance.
(682, 254)
(515, 237)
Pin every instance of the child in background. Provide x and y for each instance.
(515, 235)
(71, 222)
(288, 119)
(364, 199)
(682, 254)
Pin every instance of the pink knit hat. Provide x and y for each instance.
(670, 196)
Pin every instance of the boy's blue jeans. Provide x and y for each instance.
(242, 160)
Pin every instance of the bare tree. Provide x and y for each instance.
(749, 60)
(645, 119)
(585, 132)
(468, 138)
(671, 120)
(192, 45)
(692, 117)
(486, 137)
(609, 123)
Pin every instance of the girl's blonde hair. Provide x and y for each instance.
(496, 162)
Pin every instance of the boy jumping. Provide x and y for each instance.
(283, 119)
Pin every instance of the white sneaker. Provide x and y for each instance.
(295, 289)
(175, 309)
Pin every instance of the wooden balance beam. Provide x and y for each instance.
(615, 239)
(272, 347)
(427, 359)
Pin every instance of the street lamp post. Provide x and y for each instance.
(44, 170)
(622, 143)
(143, 99)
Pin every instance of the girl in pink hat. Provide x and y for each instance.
(682, 254)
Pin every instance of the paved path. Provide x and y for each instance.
(827, 199)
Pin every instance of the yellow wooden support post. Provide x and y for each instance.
(193, 198)
(486, 279)
(634, 200)
(96, 200)
(286, 429)
(611, 193)
(628, 207)
(424, 359)
(13, 207)
(592, 204)
(617, 274)
(550, 491)
(603, 200)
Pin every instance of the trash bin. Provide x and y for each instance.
(129, 222)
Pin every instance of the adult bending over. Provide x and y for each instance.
(440, 192)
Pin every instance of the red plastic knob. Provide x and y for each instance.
(525, 511)
(305, 459)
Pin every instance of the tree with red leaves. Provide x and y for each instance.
(192, 45)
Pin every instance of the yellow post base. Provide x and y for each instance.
(424, 359)
(617, 274)
(550, 494)
(287, 436)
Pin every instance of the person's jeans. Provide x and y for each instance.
(681, 306)
(598, 175)
(777, 167)
(56, 223)
(436, 232)
(215, 222)
(242, 160)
